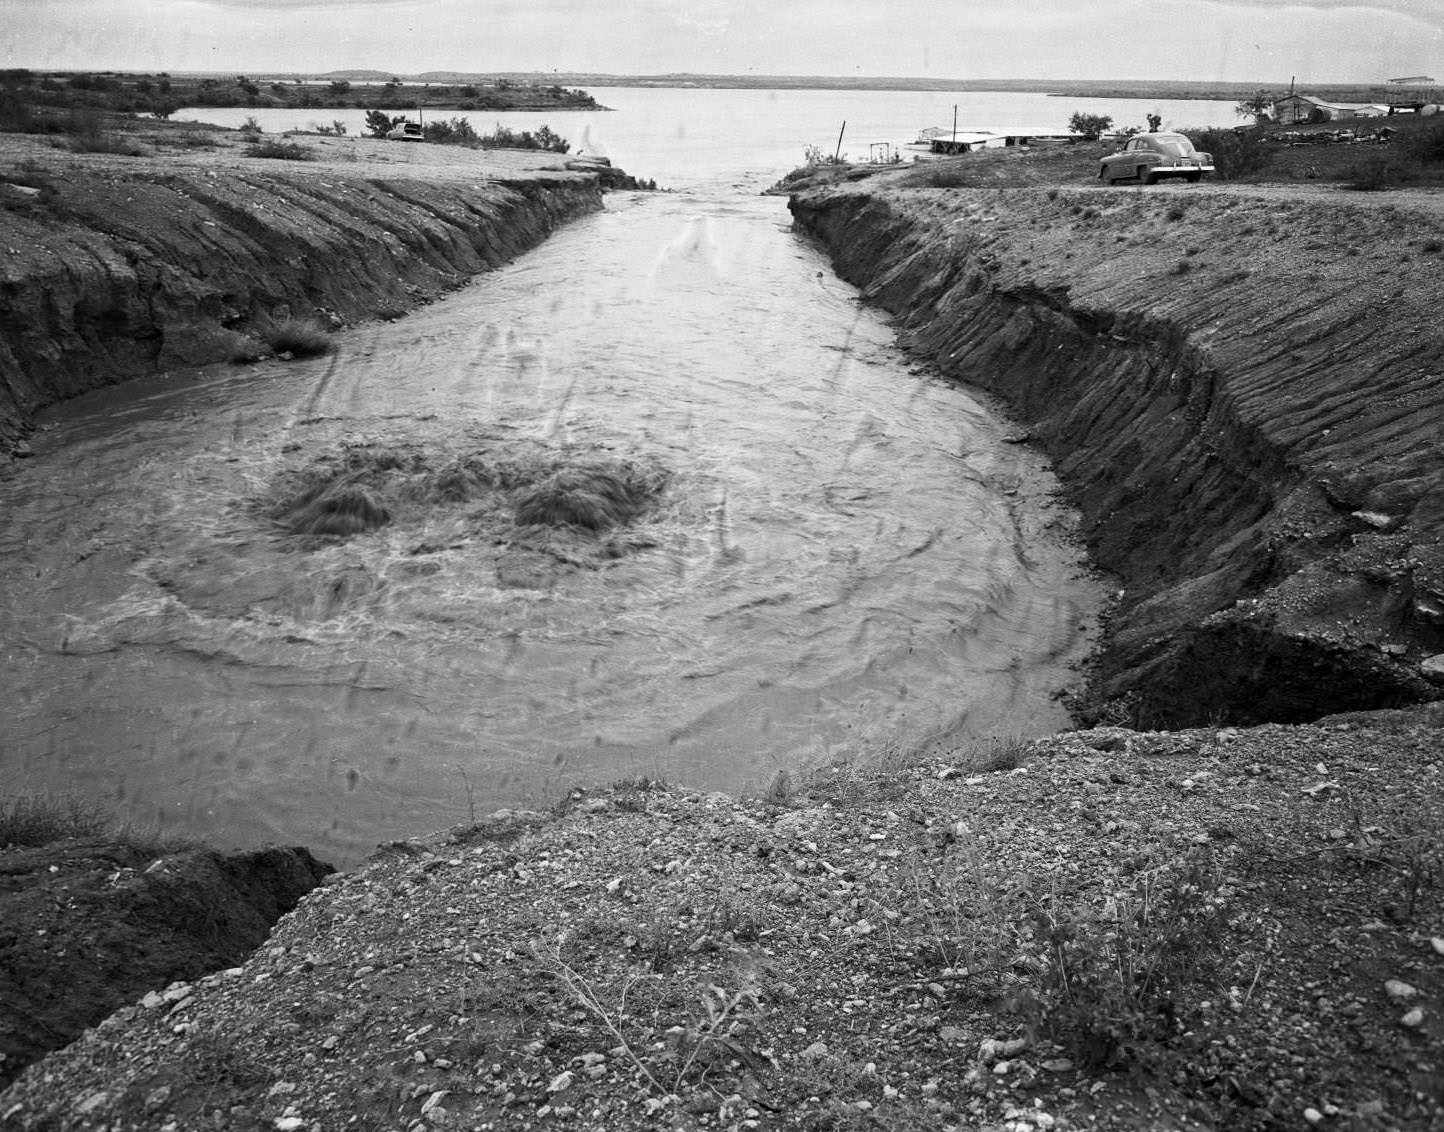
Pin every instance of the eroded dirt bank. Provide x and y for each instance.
(91, 925)
(1243, 390)
(117, 266)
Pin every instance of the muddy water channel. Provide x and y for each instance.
(304, 601)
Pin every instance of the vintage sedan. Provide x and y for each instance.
(1150, 157)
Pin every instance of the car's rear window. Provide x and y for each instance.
(1176, 145)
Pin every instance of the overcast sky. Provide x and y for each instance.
(1236, 40)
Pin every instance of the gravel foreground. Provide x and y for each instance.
(1216, 928)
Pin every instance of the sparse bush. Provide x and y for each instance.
(379, 123)
(1112, 979)
(544, 139)
(1089, 127)
(993, 754)
(1425, 146)
(456, 131)
(15, 113)
(87, 135)
(29, 821)
(1257, 106)
(300, 338)
(280, 150)
(1236, 153)
(816, 155)
(1382, 171)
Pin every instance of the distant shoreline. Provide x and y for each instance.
(1076, 88)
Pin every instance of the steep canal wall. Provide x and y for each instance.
(114, 268)
(1244, 394)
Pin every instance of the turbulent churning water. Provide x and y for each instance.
(842, 554)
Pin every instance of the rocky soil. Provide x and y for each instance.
(185, 249)
(1241, 387)
(1206, 929)
(87, 926)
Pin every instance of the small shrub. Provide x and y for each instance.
(1236, 153)
(544, 139)
(85, 128)
(1175, 213)
(1431, 247)
(1089, 126)
(30, 822)
(379, 123)
(1114, 979)
(300, 338)
(1425, 146)
(280, 150)
(993, 754)
(457, 131)
(1381, 172)
(15, 114)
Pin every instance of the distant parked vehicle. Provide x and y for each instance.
(1149, 157)
(407, 131)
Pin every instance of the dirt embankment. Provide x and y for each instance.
(1242, 389)
(1207, 930)
(115, 266)
(92, 925)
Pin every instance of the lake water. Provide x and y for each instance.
(846, 554)
(746, 139)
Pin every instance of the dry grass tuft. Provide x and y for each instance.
(32, 821)
(301, 338)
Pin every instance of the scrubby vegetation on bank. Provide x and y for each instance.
(32, 99)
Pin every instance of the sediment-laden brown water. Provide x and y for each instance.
(330, 601)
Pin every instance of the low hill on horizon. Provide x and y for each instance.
(1094, 88)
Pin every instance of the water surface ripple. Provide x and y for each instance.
(845, 551)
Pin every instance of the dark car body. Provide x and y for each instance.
(1150, 157)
